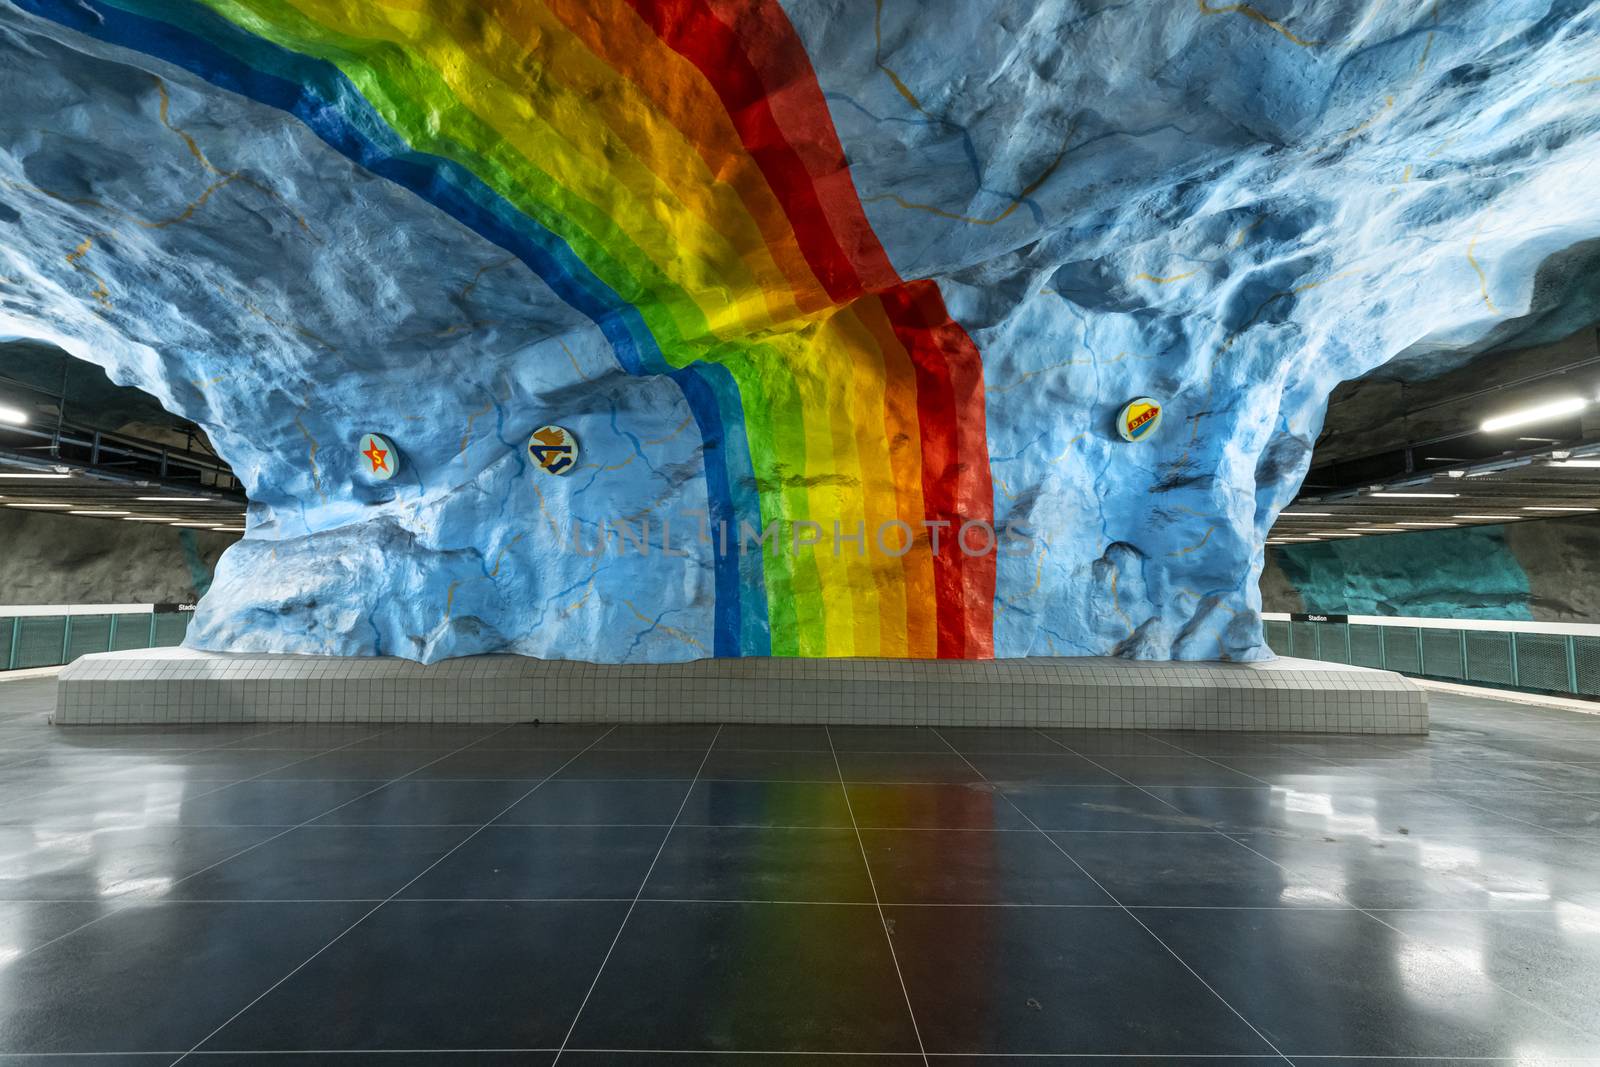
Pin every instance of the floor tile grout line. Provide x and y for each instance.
(1352, 905)
(1125, 909)
(1510, 1060)
(809, 903)
(1208, 759)
(797, 1052)
(284, 766)
(1420, 941)
(1463, 801)
(133, 901)
(1476, 765)
(1575, 763)
(594, 983)
(377, 907)
(1443, 836)
(280, 728)
(1417, 788)
(112, 778)
(883, 920)
(1488, 811)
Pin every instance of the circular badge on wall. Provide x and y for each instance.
(1139, 419)
(553, 449)
(378, 458)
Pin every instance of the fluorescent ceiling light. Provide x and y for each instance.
(1548, 508)
(229, 529)
(14, 416)
(1427, 524)
(144, 518)
(1331, 533)
(196, 525)
(175, 499)
(1420, 496)
(36, 477)
(38, 505)
(97, 513)
(1314, 514)
(1570, 405)
(1502, 518)
(1576, 463)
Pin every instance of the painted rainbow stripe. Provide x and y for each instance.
(670, 169)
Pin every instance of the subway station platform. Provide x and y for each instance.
(329, 895)
(177, 685)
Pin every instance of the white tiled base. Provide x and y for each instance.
(178, 685)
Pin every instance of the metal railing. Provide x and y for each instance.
(52, 640)
(1535, 658)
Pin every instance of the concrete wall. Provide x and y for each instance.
(58, 559)
(1547, 571)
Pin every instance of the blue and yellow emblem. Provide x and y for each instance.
(1139, 419)
(553, 449)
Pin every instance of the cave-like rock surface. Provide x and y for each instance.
(827, 262)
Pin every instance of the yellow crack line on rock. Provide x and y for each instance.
(228, 176)
(316, 475)
(466, 437)
(575, 368)
(1068, 447)
(682, 426)
(1016, 201)
(877, 59)
(100, 292)
(1356, 131)
(1483, 279)
(1197, 545)
(1141, 277)
(1042, 370)
(539, 495)
(466, 290)
(1228, 343)
(1238, 238)
(588, 588)
(1116, 604)
(668, 630)
(1251, 13)
(250, 306)
(494, 572)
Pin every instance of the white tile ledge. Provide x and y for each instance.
(178, 685)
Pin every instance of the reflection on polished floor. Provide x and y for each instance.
(683, 894)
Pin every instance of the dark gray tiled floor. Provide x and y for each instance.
(484, 897)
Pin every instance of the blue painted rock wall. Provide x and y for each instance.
(242, 209)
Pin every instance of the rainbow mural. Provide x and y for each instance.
(731, 253)
(747, 253)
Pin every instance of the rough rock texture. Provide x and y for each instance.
(1547, 571)
(52, 559)
(827, 263)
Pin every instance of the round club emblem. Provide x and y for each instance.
(377, 457)
(554, 450)
(1139, 419)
